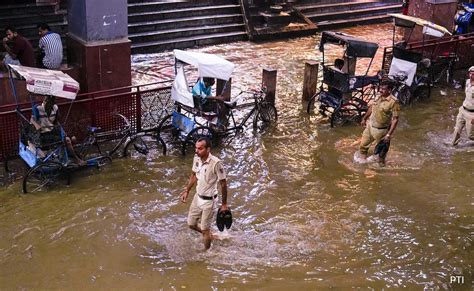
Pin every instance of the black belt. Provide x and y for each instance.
(207, 197)
(380, 127)
(470, 110)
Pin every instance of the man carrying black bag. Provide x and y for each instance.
(208, 172)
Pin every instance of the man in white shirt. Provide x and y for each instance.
(51, 48)
(465, 116)
(208, 172)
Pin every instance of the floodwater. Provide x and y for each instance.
(305, 216)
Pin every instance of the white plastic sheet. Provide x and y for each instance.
(405, 67)
(208, 65)
(47, 82)
(180, 90)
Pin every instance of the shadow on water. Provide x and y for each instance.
(305, 215)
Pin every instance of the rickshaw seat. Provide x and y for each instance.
(230, 104)
(329, 99)
(336, 79)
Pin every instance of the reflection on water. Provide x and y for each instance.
(305, 215)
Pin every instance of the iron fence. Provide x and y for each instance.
(143, 105)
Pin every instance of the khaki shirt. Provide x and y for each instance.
(469, 101)
(208, 173)
(383, 109)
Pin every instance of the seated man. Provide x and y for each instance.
(19, 50)
(45, 120)
(202, 95)
(338, 65)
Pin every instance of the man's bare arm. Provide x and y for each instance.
(223, 186)
(191, 182)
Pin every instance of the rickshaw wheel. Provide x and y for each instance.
(422, 92)
(149, 145)
(166, 125)
(404, 95)
(166, 131)
(311, 102)
(197, 133)
(265, 115)
(342, 115)
(41, 176)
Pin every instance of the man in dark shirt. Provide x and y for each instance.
(18, 48)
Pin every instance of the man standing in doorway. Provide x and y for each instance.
(380, 120)
(18, 48)
(51, 48)
(208, 172)
(465, 116)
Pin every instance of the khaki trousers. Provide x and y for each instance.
(201, 211)
(464, 119)
(370, 135)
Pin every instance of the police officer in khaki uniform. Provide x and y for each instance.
(465, 116)
(380, 120)
(207, 173)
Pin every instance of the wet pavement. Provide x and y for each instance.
(305, 215)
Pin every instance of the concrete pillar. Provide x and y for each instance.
(98, 44)
(440, 12)
(269, 78)
(310, 81)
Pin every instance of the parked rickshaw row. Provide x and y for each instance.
(342, 97)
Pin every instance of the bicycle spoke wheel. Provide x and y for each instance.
(197, 133)
(345, 114)
(166, 131)
(403, 95)
(266, 115)
(145, 145)
(41, 177)
(422, 92)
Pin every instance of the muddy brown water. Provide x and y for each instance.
(305, 215)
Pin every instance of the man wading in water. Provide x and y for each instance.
(207, 173)
(380, 120)
(465, 116)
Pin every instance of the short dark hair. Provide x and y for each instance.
(43, 26)
(206, 140)
(338, 63)
(211, 81)
(10, 28)
(390, 84)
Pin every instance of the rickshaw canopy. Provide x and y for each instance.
(429, 28)
(208, 65)
(355, 47)
(47, 82)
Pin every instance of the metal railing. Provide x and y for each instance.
(144, 105)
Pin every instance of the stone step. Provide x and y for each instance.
(20, 9)
(331, 24)
(184, 23)
(184, 32)
(185, 42)
(351, 14)
(332, 7)
(183, 13)
(27, 19)
(158, 6)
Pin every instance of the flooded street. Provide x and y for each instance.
(305, 216)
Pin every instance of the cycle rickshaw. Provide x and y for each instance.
(48, 160)
(189, 122)
(344, 97)
(415, 71)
